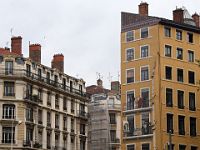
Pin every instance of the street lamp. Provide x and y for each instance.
(19, 122)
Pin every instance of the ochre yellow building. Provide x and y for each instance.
(160, 74)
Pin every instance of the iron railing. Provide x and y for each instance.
(33, 76)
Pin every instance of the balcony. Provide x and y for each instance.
(20, 73)
(49, 124)
(114, 107)
(83, 114)
(143, 132)
(138, 106)
(31, 98)
(27, 143)
(8, 141)
(115, 141)
(9, 94)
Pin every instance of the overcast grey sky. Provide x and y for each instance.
(87, 32)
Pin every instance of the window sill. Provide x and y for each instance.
(141, 58)
(149, 37)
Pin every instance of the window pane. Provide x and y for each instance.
(168, 51)
(169, 97)
(144, 32)
(190, 56)
(170, 123)
(167, 31)
(130, 76)
(168, 73)
(129, 36)
(130, 100)
(144, 51)
(129, 54)
(144, 73)
(192, 101)
(180, 99)
(179, 53)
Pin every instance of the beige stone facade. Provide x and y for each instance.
(40, 107)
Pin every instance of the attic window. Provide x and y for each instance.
(190, 37)
(144, 33)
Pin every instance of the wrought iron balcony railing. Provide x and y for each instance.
(139, 131)
(137, 105)
(83, 114)
(33, 76)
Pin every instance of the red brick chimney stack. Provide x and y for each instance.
(178, 15)
(196, 19)
(58, 62)
(35, 52)
(16, 45)
(143, 9)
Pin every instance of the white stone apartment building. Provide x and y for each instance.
(40, 107)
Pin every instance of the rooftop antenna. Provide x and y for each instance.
(118, 76)
(110, 77)
(99, 75)
(11, 32)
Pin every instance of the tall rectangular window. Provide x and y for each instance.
(39, 73)
(144, 73)
(130, 54)
(144, 32)
(144, 52)
(144, 102)
(64, 103)
(169, 97)
(40, 118)
(28, 70)
(190, 37)
(194, 147)
(57, 101)
(146, 146)
(193, 126)
(190, 56)
(29, 114)
(167, 31)
(130, 120)
(113, 135)
(8, 111)
(8, 135)
(130, 147)
(145, 123)
(64, 122)
(82, 129)
(168, 72)
(178, 34)
(130, 76)
(9, 88)
(72, 125)
(179, 53)
(170, 123)
(112, 118)
(48, 98)
(8, 67)
(180, 96)
(181, 125)
(130, 100)
(29, 135)
(191, 77)
(57, 121)
(168, 51)
(182, 147)
(48, 140)
(180, 75)
(48, 119)
(129, 36)
(192, 106)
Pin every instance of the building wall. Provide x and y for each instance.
(157, 84)
(21, 104)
